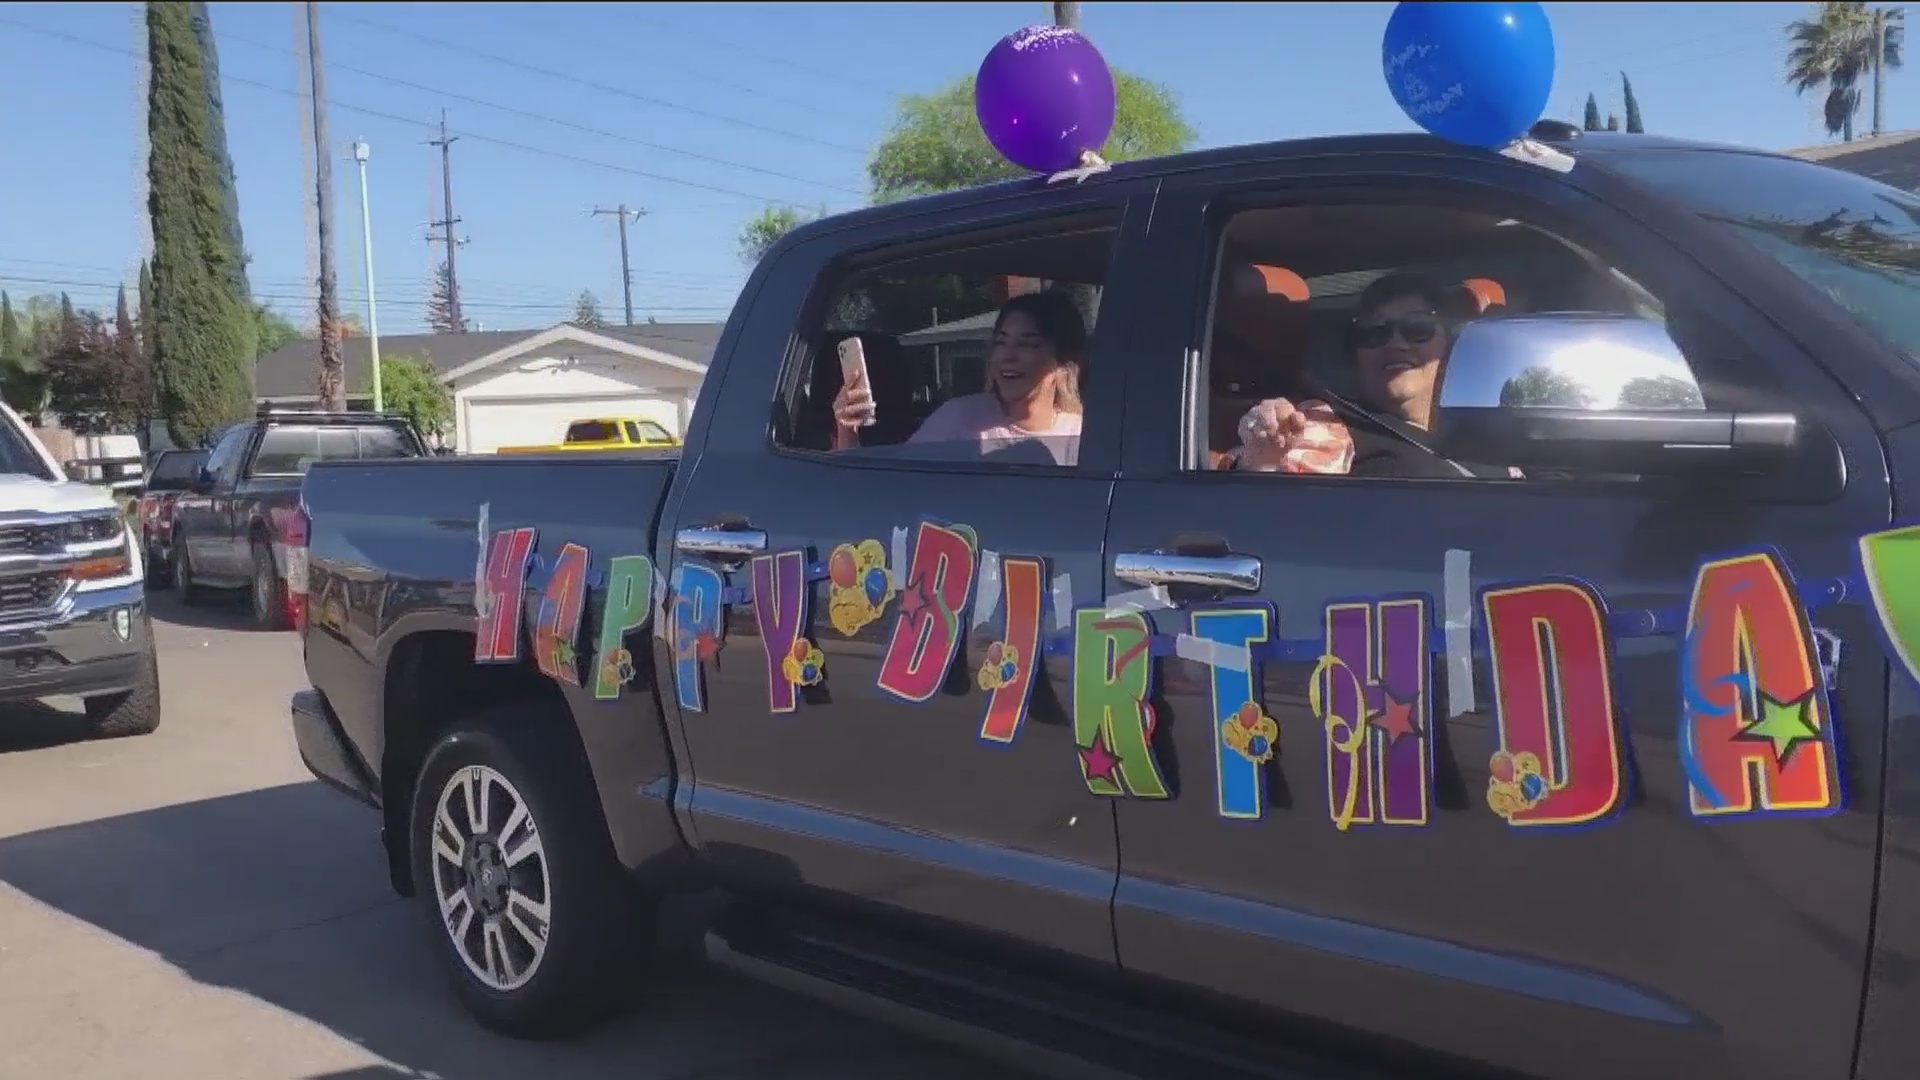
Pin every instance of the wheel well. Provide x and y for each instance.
(432, 681)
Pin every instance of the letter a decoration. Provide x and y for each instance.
(1757, 731)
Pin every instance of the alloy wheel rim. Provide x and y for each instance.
(490, 878)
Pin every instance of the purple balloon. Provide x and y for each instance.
(1044, 95)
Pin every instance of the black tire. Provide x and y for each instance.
(159, 570)
(600, 928)
(267, 593)
(131, 712)
(191, 592)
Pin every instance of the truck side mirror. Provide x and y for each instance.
(1592, 392)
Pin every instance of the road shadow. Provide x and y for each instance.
(281, 894)
(220, 610)
(41, 725)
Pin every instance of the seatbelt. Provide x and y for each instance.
(1392, 425)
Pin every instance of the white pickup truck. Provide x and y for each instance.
(73, 605)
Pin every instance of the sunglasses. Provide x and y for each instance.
(1413, 329)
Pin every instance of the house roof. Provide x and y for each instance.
(290, 371)
(1892, 158)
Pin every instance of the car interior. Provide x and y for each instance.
(924, 322)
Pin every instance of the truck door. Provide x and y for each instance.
(208, 513)
(1433, 783)
(835, 617)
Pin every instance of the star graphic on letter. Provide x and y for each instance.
(1396, 719)
(1785, 724)
(706, 646)
(913, 599)
(1098, 761)
(563, 654)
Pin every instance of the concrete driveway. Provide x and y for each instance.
(191, 904)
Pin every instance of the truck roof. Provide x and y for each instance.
(1563, 137)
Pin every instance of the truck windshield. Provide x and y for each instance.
(1855, 239)
(288, 450)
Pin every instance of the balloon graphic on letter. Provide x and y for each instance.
(1472, 73)
(1045, 97)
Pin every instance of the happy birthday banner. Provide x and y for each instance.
(1757, 730)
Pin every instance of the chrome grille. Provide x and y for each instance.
(26, 595)
(35, 539)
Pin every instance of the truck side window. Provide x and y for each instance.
(925, 319)
(224, 461)
(1288, 323)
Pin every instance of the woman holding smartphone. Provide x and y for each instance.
(1033, 383)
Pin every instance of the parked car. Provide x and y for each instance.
(606, 433)
(169, 474)
(231, 525)
(73, 605)
(1583, 773)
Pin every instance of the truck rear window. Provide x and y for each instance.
(289, 450)
(591, 431)
(176, 468)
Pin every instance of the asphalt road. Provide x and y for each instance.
(192, 904)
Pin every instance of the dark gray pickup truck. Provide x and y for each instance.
(1596, 763)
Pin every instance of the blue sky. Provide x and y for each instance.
(703, 115)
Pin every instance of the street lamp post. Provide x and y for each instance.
(360, 152)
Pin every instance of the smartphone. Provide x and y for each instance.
(853, 365)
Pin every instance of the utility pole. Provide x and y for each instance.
(626, 267)
(1066, 13)
(333, 396)
(445, 143)
(1879, 70)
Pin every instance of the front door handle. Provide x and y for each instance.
(1240, 573)
(722, 543)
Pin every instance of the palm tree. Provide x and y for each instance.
(1843, 43)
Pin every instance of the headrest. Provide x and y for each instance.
(1485, 293)
(1244, 281)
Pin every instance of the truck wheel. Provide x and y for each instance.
(269, 593)
(159, 571)
(541, 931)
(130, 712)
(191, 593)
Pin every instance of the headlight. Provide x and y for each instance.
(103, 545)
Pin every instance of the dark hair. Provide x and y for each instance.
(1057, 317)
(1385, 290)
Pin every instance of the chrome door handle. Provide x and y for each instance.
(725, 543)
(1237, 572)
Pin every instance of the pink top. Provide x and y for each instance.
(979, 416)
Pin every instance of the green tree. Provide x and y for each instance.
(1661, 392)
(586, 312)
(1836, 49)
(92, 390)
(146, 309)
(1634, 126)
(440, 304)
(1543, 387)
(1592, 121)
(19, 378)
(204, 334)
(765, 229)
(272, 330)
(936, 143)
(410, 386)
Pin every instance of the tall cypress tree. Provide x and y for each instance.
(1591, 121)
(203, 331)
(222, 160)
(13, 350)
(1634, 125)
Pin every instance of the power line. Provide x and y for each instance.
(335, 103)
(292, 298)
(512, 110)
(602, 87)
(735, 47)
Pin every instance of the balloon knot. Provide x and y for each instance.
(1091, 164)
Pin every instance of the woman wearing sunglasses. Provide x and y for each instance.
(1399, 342)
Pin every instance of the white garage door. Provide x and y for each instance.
(492, 424)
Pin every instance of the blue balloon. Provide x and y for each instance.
(1472, 73)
